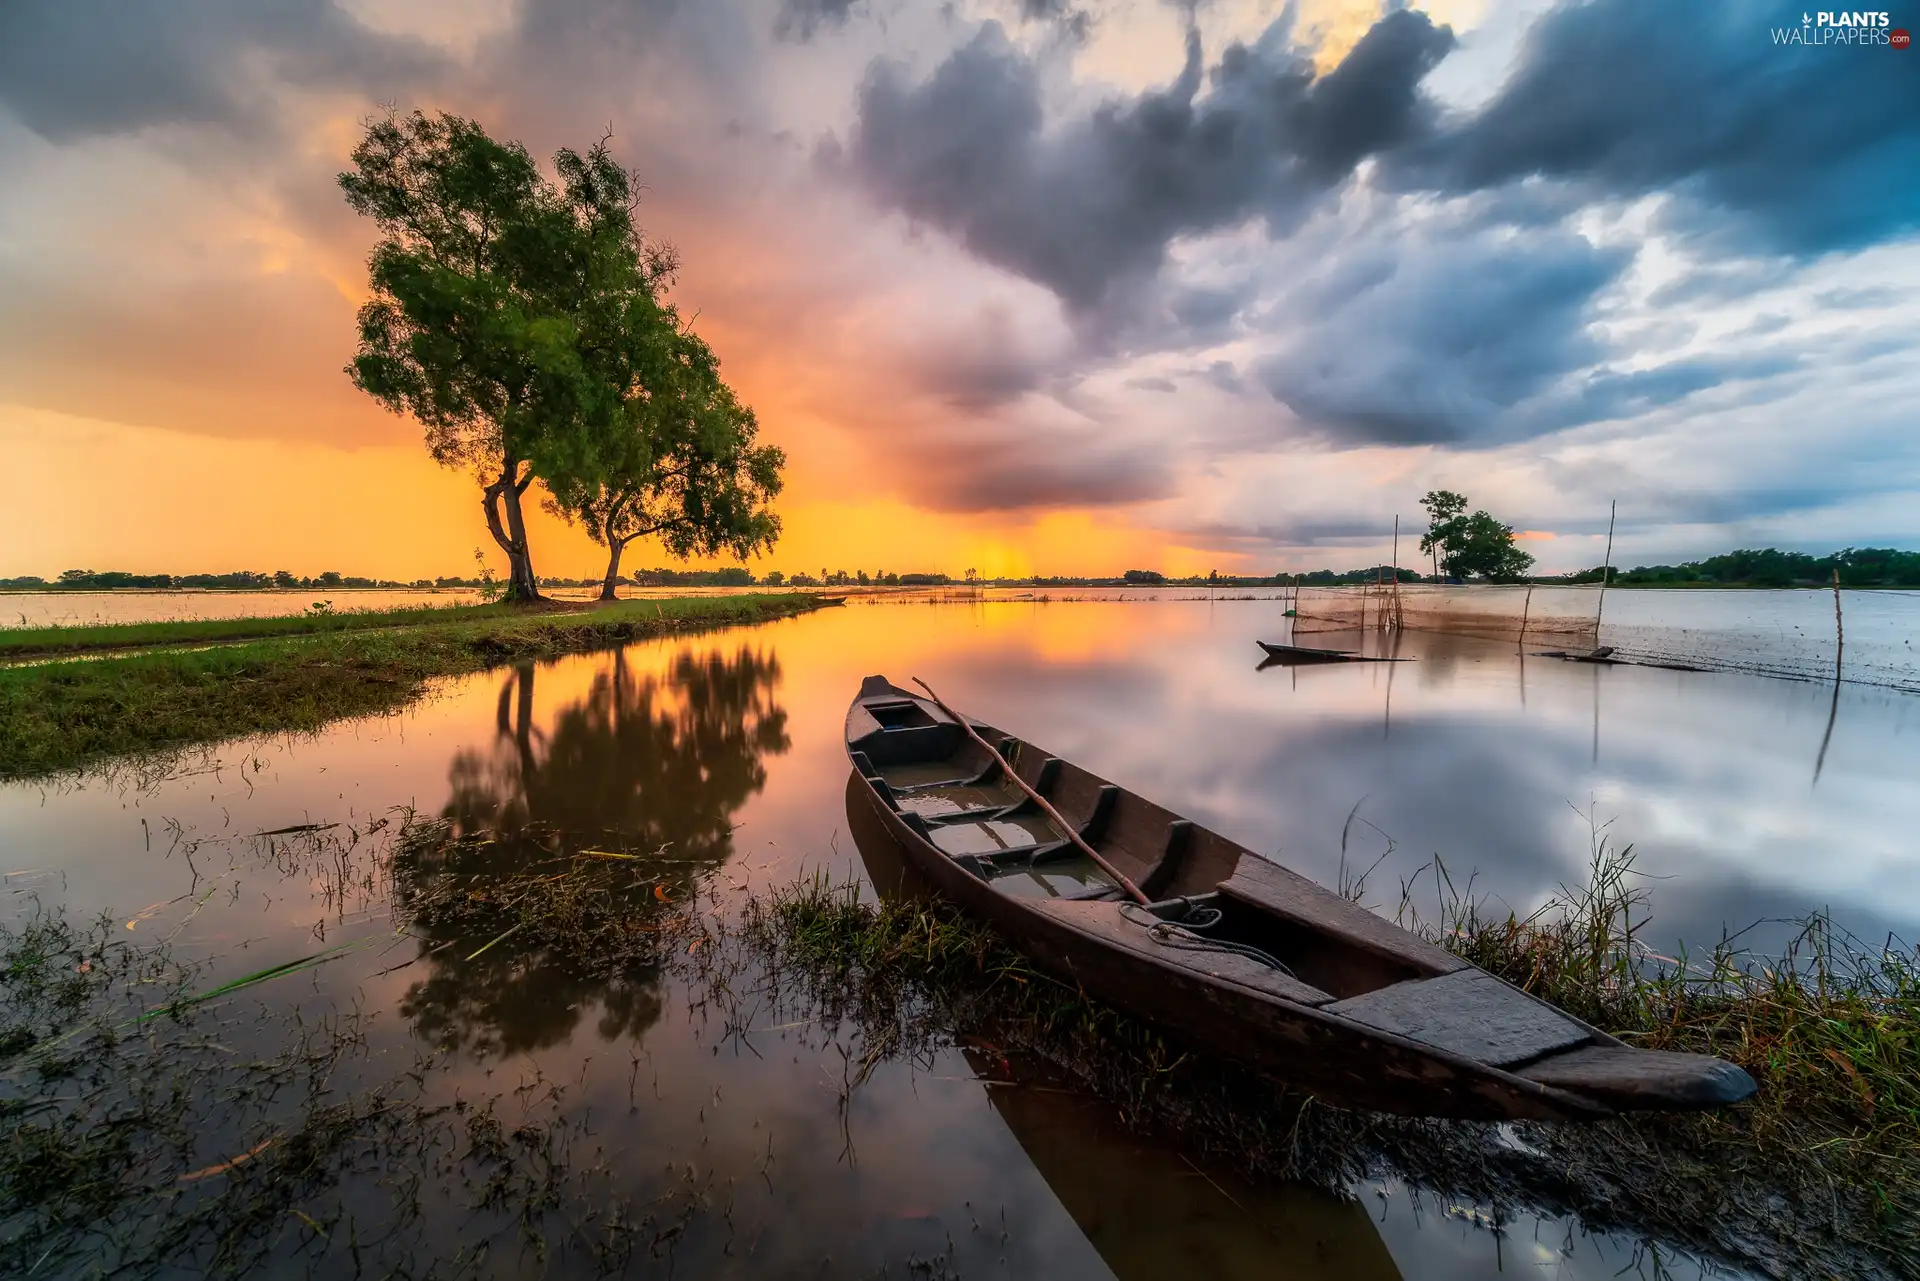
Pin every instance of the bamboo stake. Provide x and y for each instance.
(1839, 628)
(1398, 622)
(1045, 806)
(1526, 609)
(1606, 571)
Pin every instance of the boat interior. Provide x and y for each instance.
(1227, 911)
(957, 795)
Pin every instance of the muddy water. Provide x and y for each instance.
(722, 753)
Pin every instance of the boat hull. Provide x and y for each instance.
(1297, 1046)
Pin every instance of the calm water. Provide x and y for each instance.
(725, 750)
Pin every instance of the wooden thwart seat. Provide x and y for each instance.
(1295, 899)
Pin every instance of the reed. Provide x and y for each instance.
(1819, 1175)
(1829, 1027)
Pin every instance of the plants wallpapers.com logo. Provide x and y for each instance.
(1846, 28)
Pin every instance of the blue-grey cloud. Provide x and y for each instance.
(74, 68)
(1424, 343)
(1093, 202)
(1779, 149)
(800, 19)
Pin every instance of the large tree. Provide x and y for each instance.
(1470, 545)
(496, 294)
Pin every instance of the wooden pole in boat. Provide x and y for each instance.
(1046, 807)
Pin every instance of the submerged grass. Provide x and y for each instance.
(1819, 1175)
(151, 1125)
(61, 716)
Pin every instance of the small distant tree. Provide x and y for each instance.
(1143, 577)
(284, 578)
(775, 578)
(1470, 546)
(680, 463)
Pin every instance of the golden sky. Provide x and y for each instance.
(977, 271)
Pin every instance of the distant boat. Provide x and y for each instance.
(831, 600)
(1301, 655)
(1232, 950)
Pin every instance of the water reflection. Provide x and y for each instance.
(661, 760)
(654, 764)
(1153, 1215)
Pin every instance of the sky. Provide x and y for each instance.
(1025, 286)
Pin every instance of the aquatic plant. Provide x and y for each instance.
(1810, 1178)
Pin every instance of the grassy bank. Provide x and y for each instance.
(32, 642)
(1819, 1175)
(65, 715)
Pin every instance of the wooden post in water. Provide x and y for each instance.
(1839, 628)
(1398, 622)
(1526, 609)
(1606, 571)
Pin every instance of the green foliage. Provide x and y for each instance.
(1471, 546)
(500, 303)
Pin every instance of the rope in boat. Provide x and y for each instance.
(1180, 935)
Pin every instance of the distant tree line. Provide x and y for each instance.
(88, 580)
(1770, 567)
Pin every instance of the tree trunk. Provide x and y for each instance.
(614, 547)
(506, 491)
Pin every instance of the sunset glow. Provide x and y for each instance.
(1251, 372)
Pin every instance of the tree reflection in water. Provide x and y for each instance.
(655, 765)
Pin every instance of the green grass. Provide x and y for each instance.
(1818, 1175)
(25, 642)
(1829, 1029)
(70, 714)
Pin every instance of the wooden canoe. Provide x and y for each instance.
(1301, 655)
(1320, 993)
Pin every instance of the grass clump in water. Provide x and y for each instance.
(61, 716)
(1816, 1176)
(1829, 1028)
(151, 1126)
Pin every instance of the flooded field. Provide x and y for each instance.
(669, 1115)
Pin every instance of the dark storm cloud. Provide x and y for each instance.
(1785, 149)
(1429, 343)
(1094, 202)
(1013, 470)
(800, 19)
(74, 68)
(1223, 375)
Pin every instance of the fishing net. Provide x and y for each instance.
(1790, 633)
(1551, 616)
